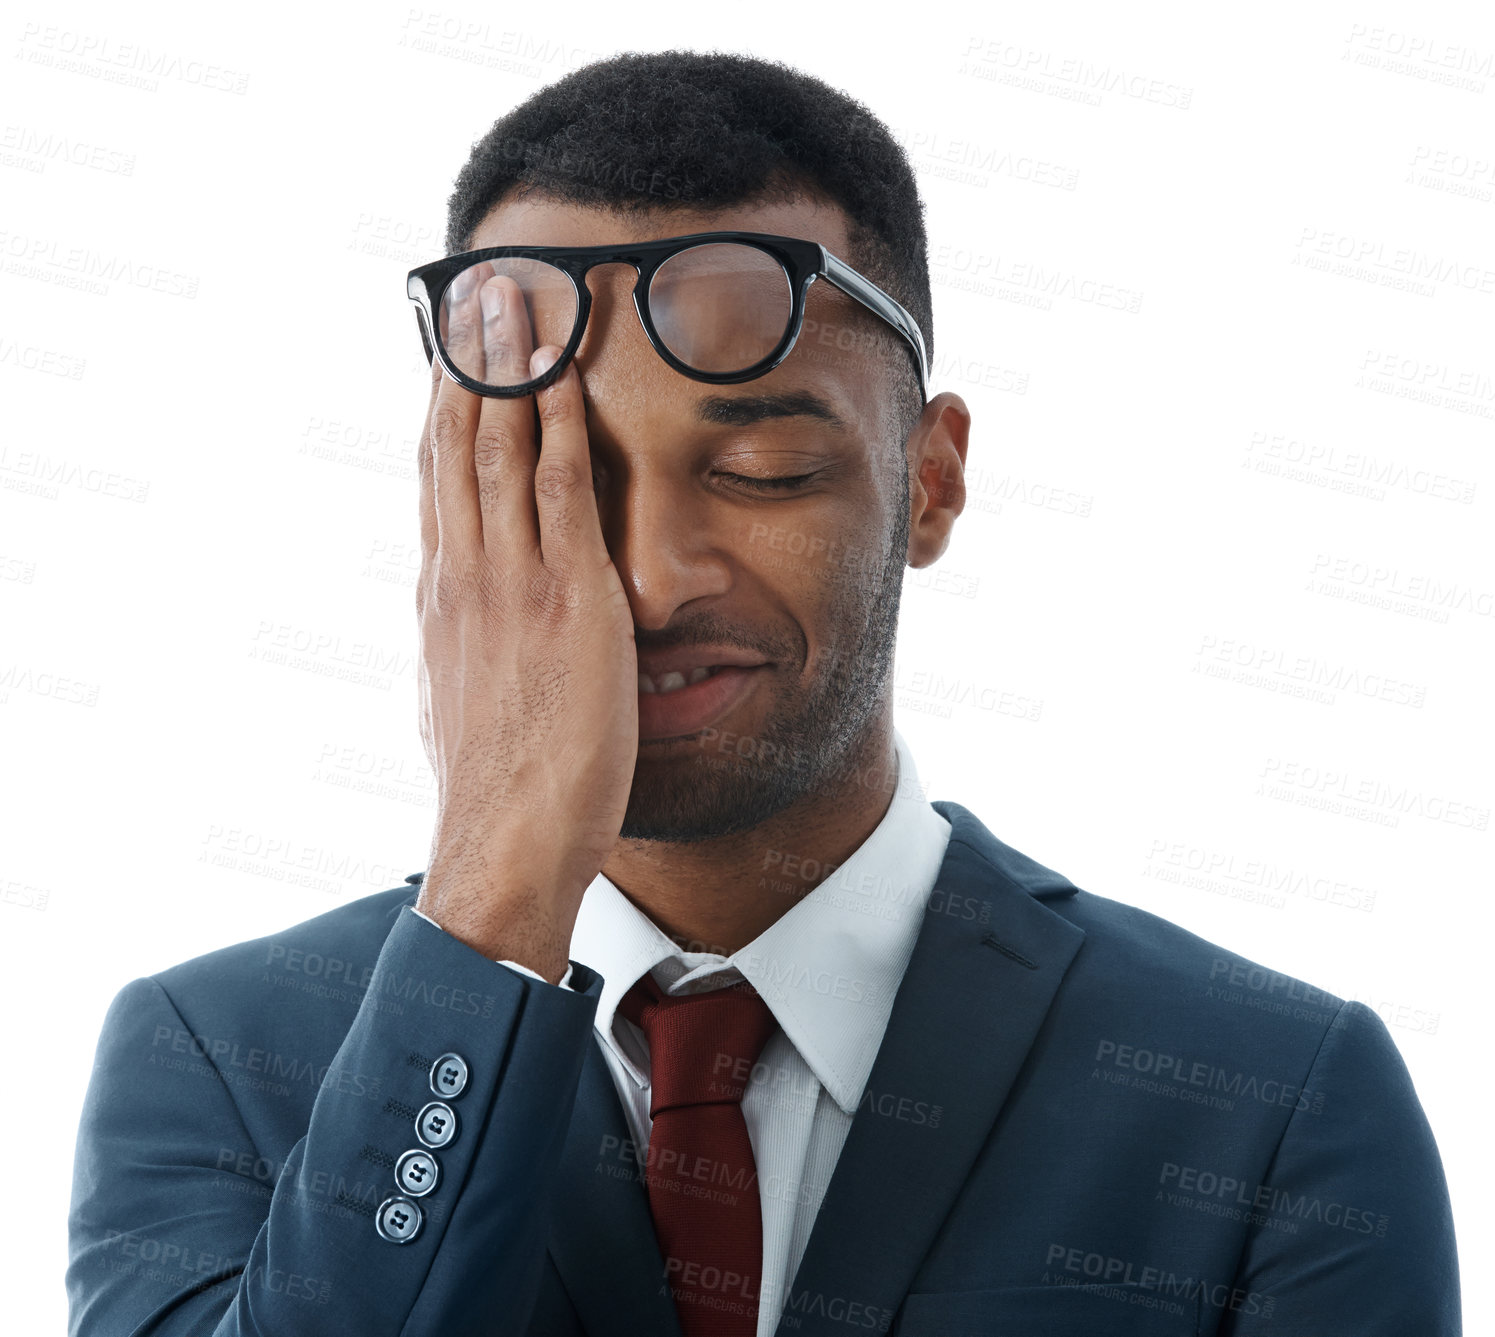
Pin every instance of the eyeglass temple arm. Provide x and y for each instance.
(420, 321)
(877, 301)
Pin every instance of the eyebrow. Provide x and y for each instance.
(744, 410)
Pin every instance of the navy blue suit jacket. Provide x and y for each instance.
(1083, 1120)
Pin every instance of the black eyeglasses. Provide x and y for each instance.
(720, 307)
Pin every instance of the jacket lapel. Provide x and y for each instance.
(987, 963)
(602, 1235)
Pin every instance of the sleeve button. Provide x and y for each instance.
(417, 1172)
(436, 1125)
(398, 1220)
(449, 1076)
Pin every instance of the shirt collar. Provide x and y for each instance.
(828, 968)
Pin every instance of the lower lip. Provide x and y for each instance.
(670, 714)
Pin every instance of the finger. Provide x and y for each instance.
(504, 444)
(454, 416)
(570, 530)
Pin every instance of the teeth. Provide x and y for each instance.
(672, 681)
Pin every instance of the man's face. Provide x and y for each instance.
(807, 577)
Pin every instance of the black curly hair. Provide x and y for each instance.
(677, 128)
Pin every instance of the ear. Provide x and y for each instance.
(937, 485)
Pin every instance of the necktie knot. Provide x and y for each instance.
(702, 1046)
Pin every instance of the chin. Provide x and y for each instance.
(705, 801)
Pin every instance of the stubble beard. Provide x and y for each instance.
(811, 740)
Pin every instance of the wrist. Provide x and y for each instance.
(519, 921)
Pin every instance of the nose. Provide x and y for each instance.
(611, 315)
(656, 522)
(667, 552)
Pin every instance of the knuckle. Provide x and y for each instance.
(502, 352)
(556, 480)
(459, 589)
(549, 597)
(463, 325)
(556, 407)
(450, 585)
(486, 586)
(446, 425)
(493, 446)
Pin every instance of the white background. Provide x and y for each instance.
(1274, 472)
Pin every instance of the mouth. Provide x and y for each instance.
(681, 702)
(664, 683)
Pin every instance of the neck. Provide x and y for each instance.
(718, 895)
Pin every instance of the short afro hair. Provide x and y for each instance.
(673, 129)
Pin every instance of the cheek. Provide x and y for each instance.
(796, 546)
(816, 563)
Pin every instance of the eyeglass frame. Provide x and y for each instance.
(802, 261)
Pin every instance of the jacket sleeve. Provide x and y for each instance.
(564, 982)
(1352, 1230)
(174, 1232)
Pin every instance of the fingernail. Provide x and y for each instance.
(493, 302)
(542, 359)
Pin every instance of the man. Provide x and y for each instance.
(701, 1019)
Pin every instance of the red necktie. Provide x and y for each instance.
(703, 1182)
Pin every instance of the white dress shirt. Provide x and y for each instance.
(828, 969)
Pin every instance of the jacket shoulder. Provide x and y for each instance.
(1133, 954)
(1123, 940)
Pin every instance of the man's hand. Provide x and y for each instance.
(529, 682)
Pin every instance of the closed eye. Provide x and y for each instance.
(771, 484)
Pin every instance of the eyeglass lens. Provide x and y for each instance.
(720, 307)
